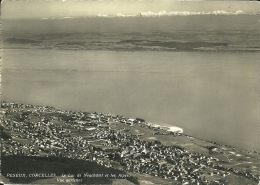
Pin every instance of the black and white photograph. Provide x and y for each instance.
(130, 92)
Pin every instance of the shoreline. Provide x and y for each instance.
(165, 126)
(137, 148)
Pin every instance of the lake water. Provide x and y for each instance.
(213, 95)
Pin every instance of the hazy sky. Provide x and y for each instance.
(69, 8)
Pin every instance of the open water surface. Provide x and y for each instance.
(212, 95)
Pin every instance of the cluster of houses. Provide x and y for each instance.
(45, 131)
(17, 148)
(151, 157)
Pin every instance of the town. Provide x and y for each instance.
(131, 145)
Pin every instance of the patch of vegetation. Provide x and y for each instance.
(20, 41)
(4, 135)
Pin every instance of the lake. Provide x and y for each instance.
(212, 95)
